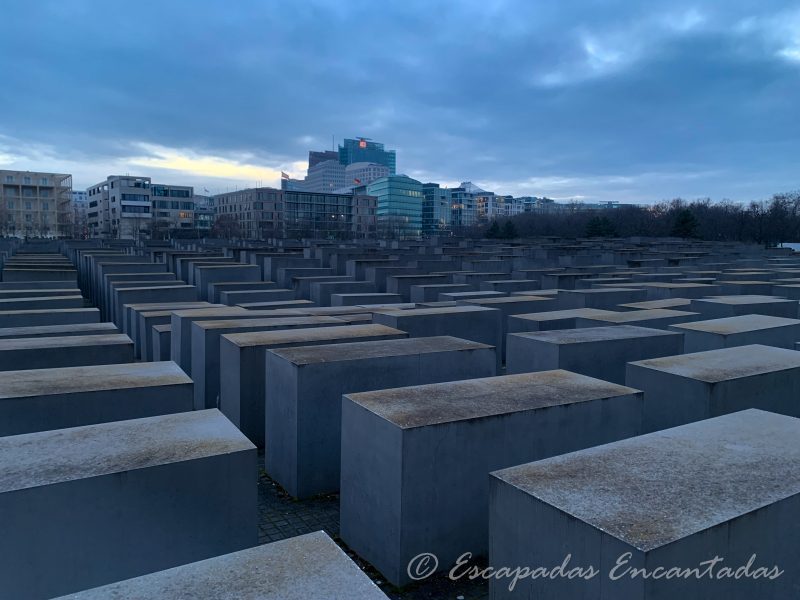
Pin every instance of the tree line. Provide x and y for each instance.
(768, 222)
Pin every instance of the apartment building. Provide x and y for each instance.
(34, 204)
(120, 207)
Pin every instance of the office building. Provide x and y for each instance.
(399, 206)
(35, 204)
(203, 213)
(261, 213)
(120, 207)
(364, 150)
(172, 208)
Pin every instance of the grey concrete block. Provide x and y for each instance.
(303, 398)
(725, 487)
(175, 489)
(701, 385)
(739, 331)
(600, 352)
(44, 399)
(415, 460)
(205, 348)
(297, 568)
(66, 351)
(243, 377)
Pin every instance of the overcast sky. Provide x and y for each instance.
(601, 100)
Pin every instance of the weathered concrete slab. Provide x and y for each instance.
(674, 303)
(304, 396)
(297, 568)
(155, 293)
(234, 297)
(554, 319)
(476, 323)
(469, 295)
(600, 352)
(364, 298)
(205, 348)
(723, 487)
(604, 298)
(734, 306)
(214, 289)
(415, 460)
(35, 318)
(430, 292)
(242, 366)
(44, 399)
(65, 351)
(663, 291)
(10, 333)
(656, 318)
(41, 303)
(739, 331)
(701, 385)
(82, 488)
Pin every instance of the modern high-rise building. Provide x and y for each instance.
(399, 206)
(120, 207)
(79, 210)
(318, 156)
(436, 211)
(35, 204)
(365, 150)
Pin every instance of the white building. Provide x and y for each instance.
(120, 207)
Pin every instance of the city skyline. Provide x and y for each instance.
(619, 102)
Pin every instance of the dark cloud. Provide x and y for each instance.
(635, 101)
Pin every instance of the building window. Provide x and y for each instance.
(26, 180)
(43, 181)
(28, 206)
(9, 179)
(45, 206)
(10, 205)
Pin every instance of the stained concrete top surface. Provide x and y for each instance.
(48, 457)
(68, 380)
(654, 489)
(40, 299)
(652, 304)
(714, 366)
(448, 310)
(603, 290)
(744, 299)
(595, 334)
(504, 300)
(55, 329)
(297, 568)
(668, 284)
(153, 287)
(162, 327)
(265, 322)
(306, 355)
(325, 311)
(170, 306)
(740, 324)
(311, 334)
(433, 404)
(571, 313)
(64, 341)
(643, 315)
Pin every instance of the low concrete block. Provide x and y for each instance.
(205, 348)
(676, 499)
(415, 460)
(554, 319)
(303, 398)
(83, 488)
(297, 568)
(739, 331)
(701, 385)
(600, 352)
(44, 399)
(364, 298)
(734, 306)
(66, 351)
(242, 366)
(656, 318)
(10, 333)
(160, 338)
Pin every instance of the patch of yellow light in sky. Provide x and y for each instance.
(208, 165)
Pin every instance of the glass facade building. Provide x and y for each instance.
(362, 150)
(399, 205)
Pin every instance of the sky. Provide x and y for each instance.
(592, 100)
